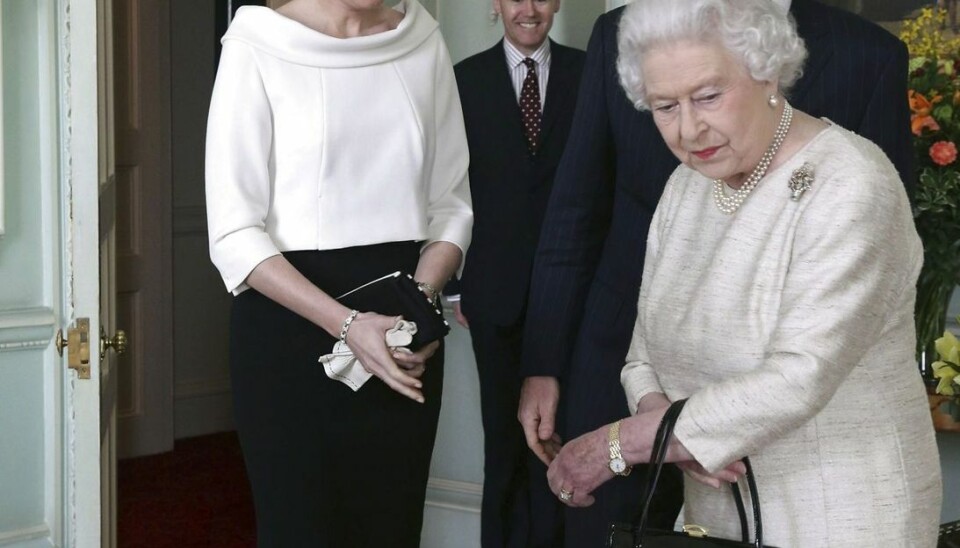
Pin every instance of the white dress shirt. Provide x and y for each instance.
(518, 71)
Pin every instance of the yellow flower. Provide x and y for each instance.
(923, 35)
(948, 366)
(948, 348)
(946, 374)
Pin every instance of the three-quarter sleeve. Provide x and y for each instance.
(449, 207)
(854, 259)
(238, 190)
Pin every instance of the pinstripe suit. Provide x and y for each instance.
(590, 258)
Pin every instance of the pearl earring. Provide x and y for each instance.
(773, 101)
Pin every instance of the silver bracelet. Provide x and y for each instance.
(346, 325)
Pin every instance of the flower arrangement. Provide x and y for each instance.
(947, 370)
(934, 97)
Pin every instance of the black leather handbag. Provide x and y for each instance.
(638, 535)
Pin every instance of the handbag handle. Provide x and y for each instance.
(657, 456)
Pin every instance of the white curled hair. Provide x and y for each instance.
(759, 33)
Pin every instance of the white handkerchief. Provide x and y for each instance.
(341, 365)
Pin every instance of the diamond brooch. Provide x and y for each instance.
(800, 181)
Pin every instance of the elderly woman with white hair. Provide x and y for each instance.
(777, 296)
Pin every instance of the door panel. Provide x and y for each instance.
(107, 185)
(143, 225)
(31, 441)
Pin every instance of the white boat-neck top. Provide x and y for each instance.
(316, 142)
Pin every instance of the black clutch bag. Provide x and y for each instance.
(638, 535)
(397, 294)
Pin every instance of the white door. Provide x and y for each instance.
(50, 419)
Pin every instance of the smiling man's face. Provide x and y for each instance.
(526, 23)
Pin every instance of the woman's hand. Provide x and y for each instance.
(580, 467)
(414, 363)
(367, 339)
(730, 474)
(652, 401)
(656, 401)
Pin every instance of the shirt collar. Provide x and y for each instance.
(515, 57)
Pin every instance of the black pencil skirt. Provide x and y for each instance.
(328, 467)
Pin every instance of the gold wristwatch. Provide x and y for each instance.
(617, 465)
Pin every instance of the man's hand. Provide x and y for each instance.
(537, 414)
(461, 319)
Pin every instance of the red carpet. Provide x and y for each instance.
(196, 496)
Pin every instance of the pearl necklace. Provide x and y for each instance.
(730, 204)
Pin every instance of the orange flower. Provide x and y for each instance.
(943, 153)
(921, 107)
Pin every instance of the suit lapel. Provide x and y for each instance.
(560, 87)
(813, 27)
(503, 99)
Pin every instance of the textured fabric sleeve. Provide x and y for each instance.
(886, 121)
(854, 252)
(449, 208)
(576, 221)
(239, 137)
(638, 376)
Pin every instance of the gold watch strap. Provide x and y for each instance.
(613, 436)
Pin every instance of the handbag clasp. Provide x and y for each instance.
(697, 531)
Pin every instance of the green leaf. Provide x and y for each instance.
(916, 62)
(943, 113)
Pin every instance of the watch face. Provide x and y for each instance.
(618, 465)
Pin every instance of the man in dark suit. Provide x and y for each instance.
(586, 279)
(518, 99)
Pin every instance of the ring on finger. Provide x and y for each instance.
(565, 495)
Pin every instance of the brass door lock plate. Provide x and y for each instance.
(77, 344)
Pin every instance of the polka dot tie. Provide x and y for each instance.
(530, 114)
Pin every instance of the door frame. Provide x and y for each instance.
(80, 169)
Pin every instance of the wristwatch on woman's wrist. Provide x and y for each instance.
(617, 465)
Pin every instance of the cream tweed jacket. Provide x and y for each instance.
(789, 325)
